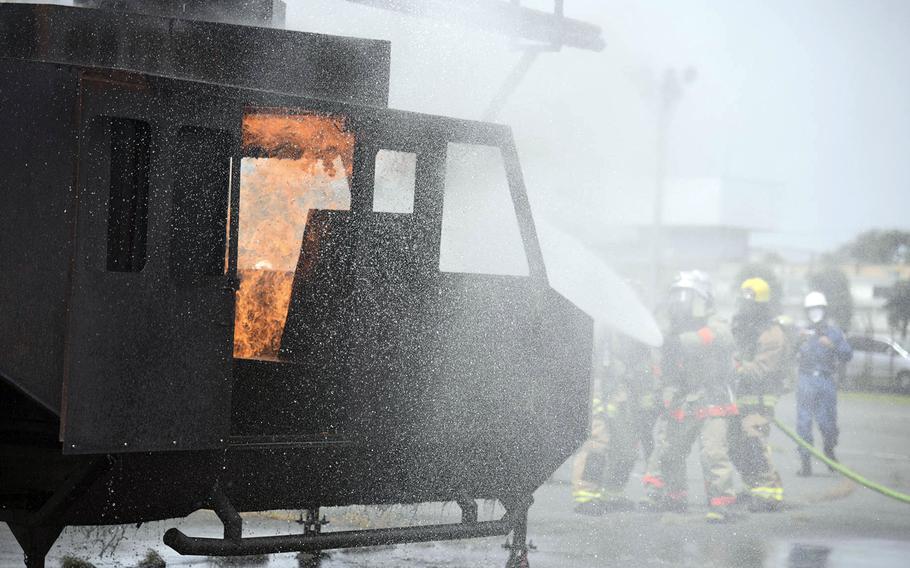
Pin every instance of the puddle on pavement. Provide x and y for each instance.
(840, 554)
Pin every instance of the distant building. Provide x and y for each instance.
(708, 223)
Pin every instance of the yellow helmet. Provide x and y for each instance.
(756, 289)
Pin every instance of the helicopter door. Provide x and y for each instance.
(148, 353)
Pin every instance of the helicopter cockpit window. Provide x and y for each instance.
(293, 163)
(480, 232)
(128, 198)
(393, 185)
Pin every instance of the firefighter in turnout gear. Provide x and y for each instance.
(623, 389)
(760, 368)
(695, 367)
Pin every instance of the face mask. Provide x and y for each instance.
(815, 315)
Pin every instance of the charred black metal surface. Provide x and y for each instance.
(395, 382)
(148, 352)
(313, 65)
(252, 12)
(40, 193)
(396, 345)
(37, 160)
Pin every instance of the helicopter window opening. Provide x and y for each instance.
(128, 197)
(393, 185)
(201, 202)
(480, 232)
(292, 163)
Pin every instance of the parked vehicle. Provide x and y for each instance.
(878, 362)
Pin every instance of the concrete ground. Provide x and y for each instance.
(830, 522)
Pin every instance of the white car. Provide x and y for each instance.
(878, 362)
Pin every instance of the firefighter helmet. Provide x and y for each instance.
(693, 293)
(756, 290)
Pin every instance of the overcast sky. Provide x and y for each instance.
(812, 96)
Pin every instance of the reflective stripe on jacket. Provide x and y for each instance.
(703, 412)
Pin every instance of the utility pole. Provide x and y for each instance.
(671, 91)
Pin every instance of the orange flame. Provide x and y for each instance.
(303, 162)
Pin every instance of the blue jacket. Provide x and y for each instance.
(815, 358)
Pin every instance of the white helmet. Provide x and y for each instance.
(697, 281)
(692, 295)
(816, 305)
(815, 300)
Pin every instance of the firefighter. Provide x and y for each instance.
(822, 351)
(760, 367)
(695, 362)
(603, 465)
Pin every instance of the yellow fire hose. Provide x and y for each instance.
(850, 474)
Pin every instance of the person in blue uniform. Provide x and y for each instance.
(822, 351)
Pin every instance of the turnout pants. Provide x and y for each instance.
(606, 459)
(816, 399)
(666, 476)
(750, 452)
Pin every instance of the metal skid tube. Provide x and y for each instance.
(188, 545)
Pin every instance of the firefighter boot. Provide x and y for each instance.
(720, 515)
(765, 505)
(588, 502)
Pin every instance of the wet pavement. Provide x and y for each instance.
(830, 522)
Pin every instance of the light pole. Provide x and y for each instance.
(671, 91)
